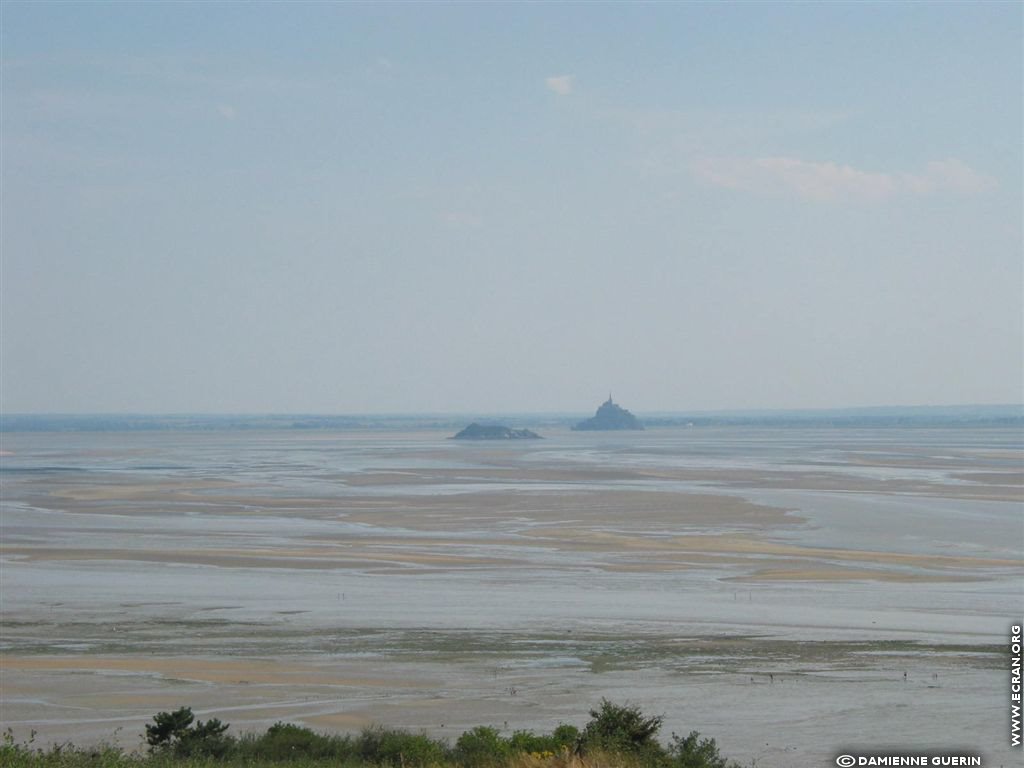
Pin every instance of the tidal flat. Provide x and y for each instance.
(788, 592)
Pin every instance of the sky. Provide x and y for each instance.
(482, 207)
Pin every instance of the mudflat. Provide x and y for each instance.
(787, 592)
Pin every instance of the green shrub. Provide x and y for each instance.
(174, 731)
(563, 737)
(695, 752)
(168, 727)
(566, 735)
(206, 740)
(286, 741)
(625, 729)
(528, 741)
(384, 746)
(482, 746)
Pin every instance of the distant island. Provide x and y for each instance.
(609, 416)
(495, 432)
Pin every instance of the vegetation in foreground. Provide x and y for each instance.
(617, 736)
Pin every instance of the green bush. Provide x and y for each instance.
(482, 746)
(206, 740)
(174, 731)
(624, 729)
(286, 741)
(168, 727)
(695, 752)
(384, 746)
(528, 741)
(566, 735)
(563, 737)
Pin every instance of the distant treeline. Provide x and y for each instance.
(921, 416)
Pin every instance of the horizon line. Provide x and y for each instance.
(550, 413)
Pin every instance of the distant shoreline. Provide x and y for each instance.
(884, 416)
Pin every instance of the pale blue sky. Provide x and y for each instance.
(327, 207)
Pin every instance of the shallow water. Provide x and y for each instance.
(581, 566)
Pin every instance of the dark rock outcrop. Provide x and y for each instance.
(495, 432)
(610, 416)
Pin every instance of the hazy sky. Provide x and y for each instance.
(350, 208)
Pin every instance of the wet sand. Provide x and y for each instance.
(768, 589)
